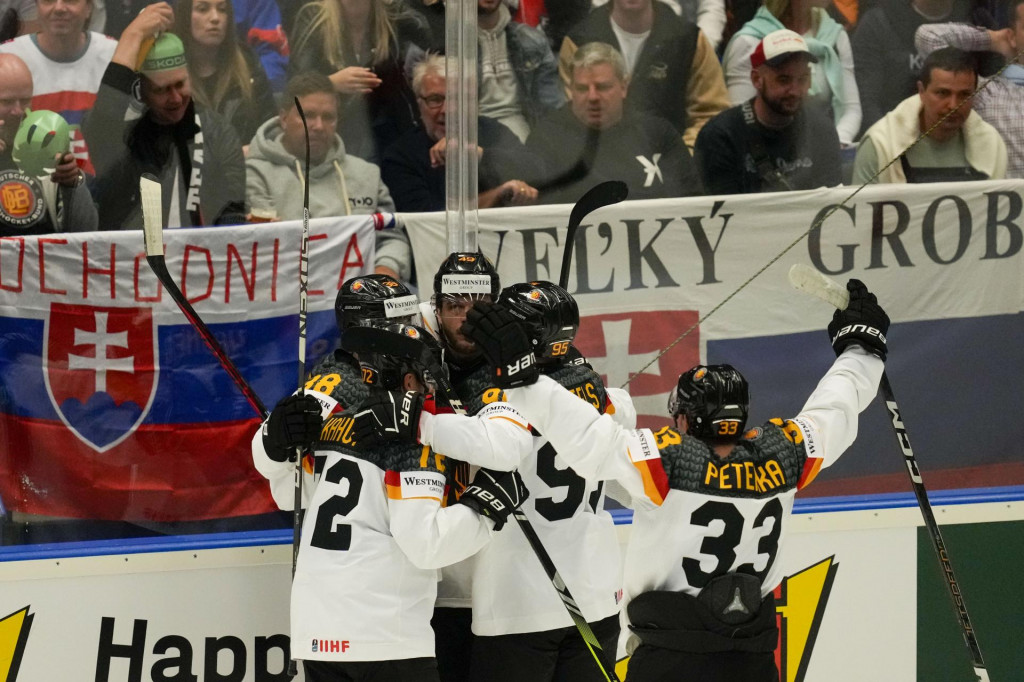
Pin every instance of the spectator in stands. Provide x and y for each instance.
(772, 142)
(833, 83)
(259, 24)
(67, 62)
(362, 45)
(30, 205)
(193, 152)
(517, 76)
(413, 166)
(959, 145)
(339, 183)
(18, 18)
(432, 12)
(672, 69)
(885, 59)
(1001, 102)
(226, 77)
(555, 17)
(596, 139)
(709, 15)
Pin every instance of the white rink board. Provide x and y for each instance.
(867, 632)
(194, 595)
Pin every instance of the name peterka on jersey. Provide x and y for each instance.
(752, 477)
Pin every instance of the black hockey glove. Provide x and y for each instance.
(295, 422)
(495, 494)
(500, 337)
(386, 416)
(863, 322)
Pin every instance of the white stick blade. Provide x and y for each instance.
(152, 215)
(807, 279)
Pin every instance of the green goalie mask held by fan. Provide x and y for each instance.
(42, 136)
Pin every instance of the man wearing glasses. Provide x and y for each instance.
(413, 167)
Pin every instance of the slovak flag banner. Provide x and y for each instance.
(111, 405)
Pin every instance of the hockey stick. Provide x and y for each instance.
(603, 194)
(152, 221)
(807, 279)
(376, 340)
(303, 291)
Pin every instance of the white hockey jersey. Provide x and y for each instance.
(374, 535)
(511, 592)
(696, 515)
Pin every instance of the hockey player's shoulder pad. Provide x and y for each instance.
(584, 382)
(798, 443)
(768, 459)
(477, 390)
(763, 463)
(338, 376)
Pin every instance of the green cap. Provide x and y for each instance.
(166, 53)
(40, 137)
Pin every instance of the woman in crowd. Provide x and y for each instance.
(833, 84)
(226, 76)
(361, 45)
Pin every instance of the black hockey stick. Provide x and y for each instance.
(152, 221)
(376, 340)
(603, 194)
(808, 279)
(303, 290)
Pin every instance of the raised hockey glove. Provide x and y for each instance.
(495, 494)
(863, 322)
(294, 423)
(502, 340)
(387, 416)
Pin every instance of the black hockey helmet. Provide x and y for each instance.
(387, 371)
(549, 315)
(715, 400)
(466, 273)
(374, 299)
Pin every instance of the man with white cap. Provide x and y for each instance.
(145, 120)
(772, 142)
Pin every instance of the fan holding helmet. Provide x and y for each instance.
(41, 187)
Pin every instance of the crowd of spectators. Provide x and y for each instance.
(675, 97)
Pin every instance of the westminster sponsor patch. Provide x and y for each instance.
(642, 446)
(504, 411)
(401, 306)
(465, 284)
(415, 485)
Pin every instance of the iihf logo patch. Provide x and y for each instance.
(100, 370)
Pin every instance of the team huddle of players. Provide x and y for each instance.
(410, 566)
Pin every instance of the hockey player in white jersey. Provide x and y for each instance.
(712, 503)
(335, 382)
(462, 278)
(523, 631)
(375, 533)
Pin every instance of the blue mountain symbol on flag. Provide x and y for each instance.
(100, 420)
